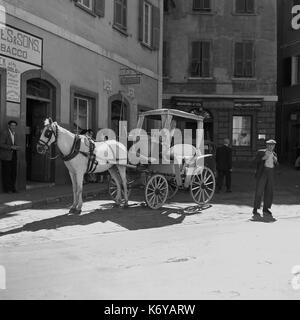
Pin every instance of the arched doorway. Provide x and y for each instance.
(119, 111)
(39, 105)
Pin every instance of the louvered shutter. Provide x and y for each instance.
(240, 6)
(141, 20)
(238, 60)
(195, 63)
(155, 28)
(205, 59)
(99, 7)
(250, 6)
(249, 59)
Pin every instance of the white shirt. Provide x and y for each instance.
(269, 163)
(12, 136)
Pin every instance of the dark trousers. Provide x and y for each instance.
(220, 179)
(9, 174)
(264, 187)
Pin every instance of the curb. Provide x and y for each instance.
(88, 195)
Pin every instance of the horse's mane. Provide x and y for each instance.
(47, 122)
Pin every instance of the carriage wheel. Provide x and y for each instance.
(173, 188)
(156, 191)
(113, 189)
(203, 185)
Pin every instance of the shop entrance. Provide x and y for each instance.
(38, 106)
(119, 112)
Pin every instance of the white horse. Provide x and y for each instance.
(75, 150)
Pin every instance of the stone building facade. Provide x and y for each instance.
(85, 63)
(220, 60)
(288, 112)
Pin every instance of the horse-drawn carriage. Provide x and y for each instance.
(168, 160)
(172, 158)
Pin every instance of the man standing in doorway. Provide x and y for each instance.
(224, 165)
(266, 160)
(8, 154)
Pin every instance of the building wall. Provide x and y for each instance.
(220, 92)
(84, 52)
(288, 113)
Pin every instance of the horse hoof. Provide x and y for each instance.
(72, 210)
(77, 212)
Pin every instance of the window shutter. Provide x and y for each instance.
(197, 4)
(155, 28)
(250, 6)
(195, 63)
(238, 62)
(206, 4)
(249, 59)
(240, 6)
(141, 20)
(99, 7)
(124, 13)
(205, 59)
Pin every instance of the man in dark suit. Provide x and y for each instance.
(8, 155)
(224, 166)
(266, 160)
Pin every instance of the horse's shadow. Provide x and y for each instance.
(136, 217)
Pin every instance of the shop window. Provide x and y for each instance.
(296, 70)
(120, 14)
(82, 113)
(202, 5)
(244, 6)
(244, 59)
(200, 65)
(241, 131)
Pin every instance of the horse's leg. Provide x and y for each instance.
(79, 184)
(74, 187)
(122, 172)
(114, 174)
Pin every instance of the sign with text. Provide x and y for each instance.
(129, 76)
(20, 45)
(13, 79)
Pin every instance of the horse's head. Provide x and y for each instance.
(48, 136)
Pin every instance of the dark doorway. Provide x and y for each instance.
(39, 104)
(119, 112)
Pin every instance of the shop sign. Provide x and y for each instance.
(13, 77)
(129, 76)
(20, 45)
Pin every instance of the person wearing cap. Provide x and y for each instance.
(8, 156)
(266, 160)
(224, 165)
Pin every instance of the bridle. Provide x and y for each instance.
(48, 134)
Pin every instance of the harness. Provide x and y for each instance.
(75, 150)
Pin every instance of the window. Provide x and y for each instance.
(244, 59)
(82, 113)
(95, 7)
(201, 5)
(86, 3)
(241, 131)
(120, 19)
(295, 70)
(147, 27)
(200, 65)
(244, 6)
